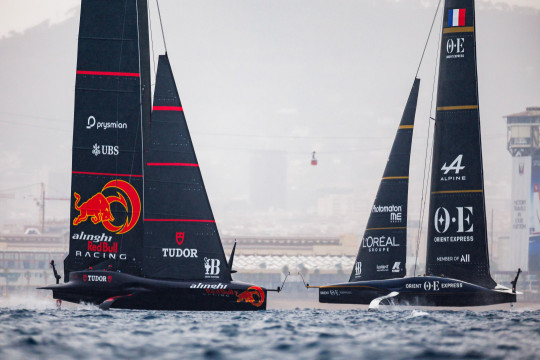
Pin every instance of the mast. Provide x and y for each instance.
(106, 185)
(181, 240)
(457, 244)
(383, 249)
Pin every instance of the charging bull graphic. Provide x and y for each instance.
(98, 207)
(253, 295)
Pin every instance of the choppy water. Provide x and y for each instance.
(88, 333)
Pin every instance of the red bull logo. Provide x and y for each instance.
(98, 207)
(253, 295)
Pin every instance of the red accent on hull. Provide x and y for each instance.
(182, 220)
(107, 174)
(171, 164)
(107, 73)
(167, 108)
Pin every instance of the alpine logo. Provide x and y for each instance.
(395, 268)
(107, 150)
(455, 167)
(212, 267)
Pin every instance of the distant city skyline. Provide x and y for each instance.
(269, 77)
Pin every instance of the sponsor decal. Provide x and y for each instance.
(179, 238)
(220, 292)
(395, 268)
(91, 123)
(100, 255)
(97, 278)
(455, 167)
(212, 268)
(253, 295)
(379, 243)
(455, 48)
(358, 268)
(521, 169)
(413, 286)
(98, 207)
(208, 286)
(382, 268)
(103, 247)
(178, 253)
(90, 237)
(465, 258)
(456, 17)
(432, 285)
(107, 150)
(451, 285)
(394, 210)
(442, 219)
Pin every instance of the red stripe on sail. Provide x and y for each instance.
(167, 108)
(107, 73)
(171, 164)
(107, 174)
(182, 220)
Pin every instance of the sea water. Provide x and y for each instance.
(85, 332)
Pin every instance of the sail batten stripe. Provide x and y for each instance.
(458, 29)
(456, 191)
(181, 220)
(461, 107)
(107, 174)
(107, 73)
(167, 108)
(395, 178)
(406, 127)
(388, 228)
(172, 164)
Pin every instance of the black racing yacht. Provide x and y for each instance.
(457, 261)
(142, 232)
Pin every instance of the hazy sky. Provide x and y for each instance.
(263, 84)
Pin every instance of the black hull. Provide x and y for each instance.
(118, 290)
(415, 291)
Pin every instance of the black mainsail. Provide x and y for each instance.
(181, 240)
(142, 233)
(457, 261)
(457, 244)
(106, 221)
(383, 250)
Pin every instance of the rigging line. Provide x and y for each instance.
(161, 23)
(427, 40)
(151, 41)
(426, 176)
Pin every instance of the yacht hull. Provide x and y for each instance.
(110, 289)
(416, 291)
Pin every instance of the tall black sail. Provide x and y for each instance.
(457, 236)
(181, 240)
(106, 186)
(383, 248)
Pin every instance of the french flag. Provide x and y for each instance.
(456, 17)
